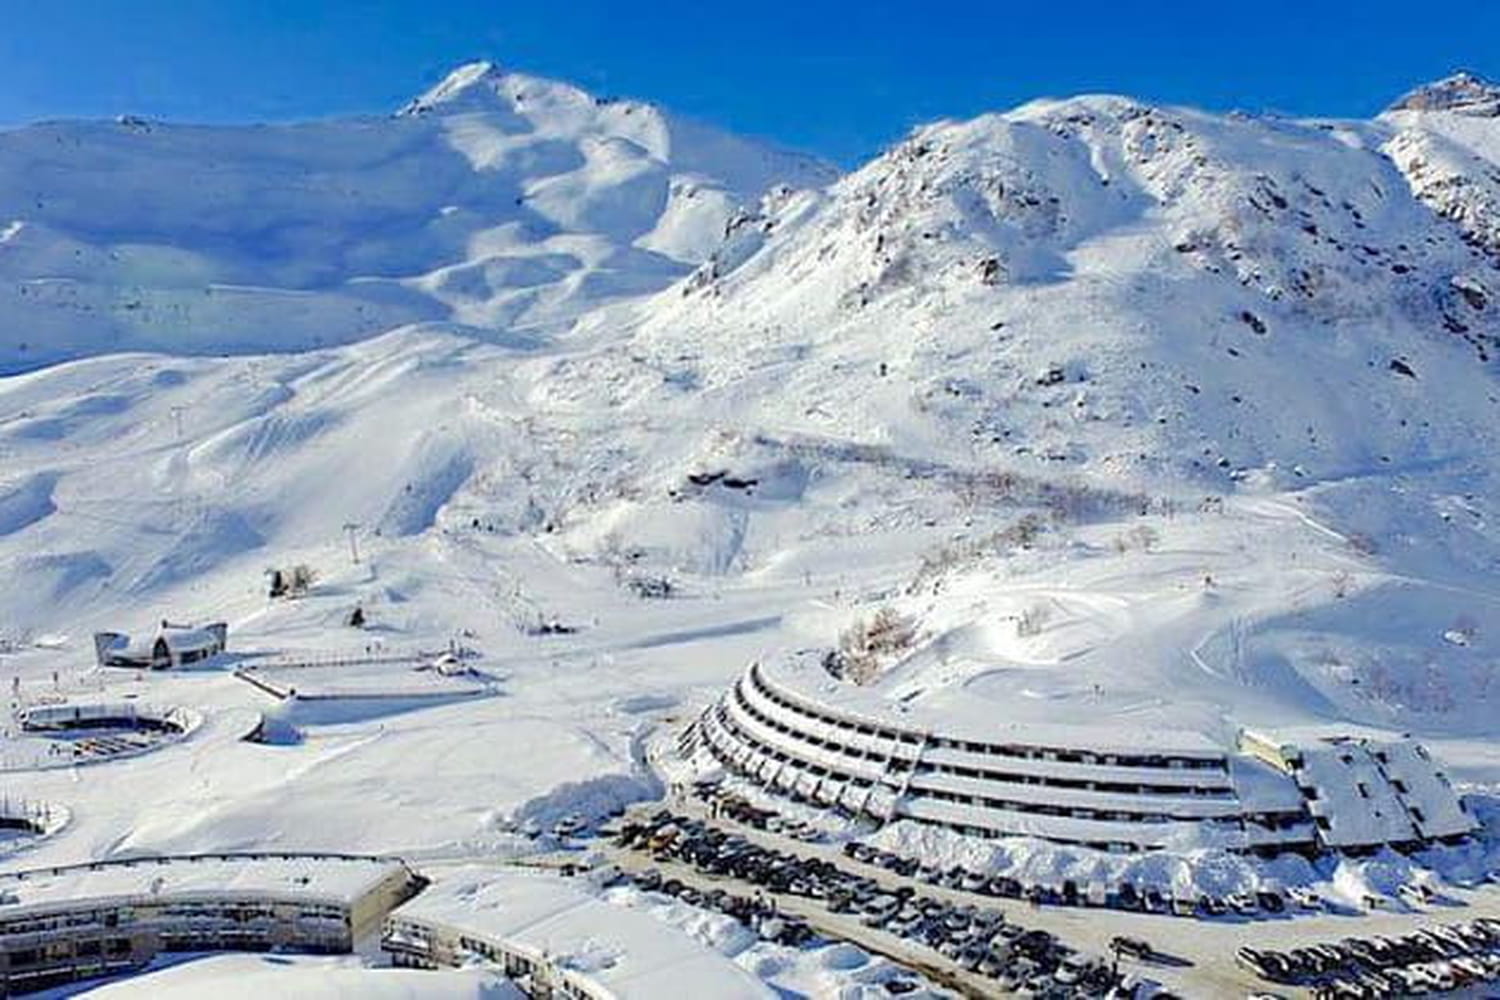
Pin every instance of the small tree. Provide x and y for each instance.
(866, 645)
(1342, 582)
(301, 579)
(1030, 621)
(1145, 536)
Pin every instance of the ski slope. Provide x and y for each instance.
(543, 359)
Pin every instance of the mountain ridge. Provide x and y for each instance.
(284, 237)
(1461, 92)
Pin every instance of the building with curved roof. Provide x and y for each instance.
(79, 921)
(795, 731)
(169, 646)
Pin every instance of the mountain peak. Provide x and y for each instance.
(1462, 93)
(475, 82)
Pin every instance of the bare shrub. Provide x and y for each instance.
(866, 645)
(291, 581)
(1030, 621)
(1023, 534)
(1142, 536)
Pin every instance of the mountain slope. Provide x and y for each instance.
(1101, 287)
(497, 200)
(1216, 393)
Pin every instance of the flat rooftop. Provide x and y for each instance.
(982, 719)
(341, 879)
(630, 953)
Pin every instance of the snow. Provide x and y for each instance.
(252, 977)
(1100, 395)
(497, 201)
(1461, 93)
(628, 953)
(817, 970)
(343, 880)
(1348, 793)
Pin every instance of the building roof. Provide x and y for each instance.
(1356, 806)
(1263, 789)
(983, 720)
(1438, 811)
(1367, 791)
(179, 638)
(256, 977)
(339, 878)
(183, 637)
(629, 952)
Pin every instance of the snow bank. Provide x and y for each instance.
(590, 800)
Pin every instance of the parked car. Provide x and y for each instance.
(1132, 946)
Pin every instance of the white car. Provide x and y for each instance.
(1242, 903)
(568, 825)
(1307, 899)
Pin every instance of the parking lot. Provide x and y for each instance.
(731, 896)
(974, 947)
(1191, 956)
(1437, 959)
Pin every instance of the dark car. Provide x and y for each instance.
(1134, 947)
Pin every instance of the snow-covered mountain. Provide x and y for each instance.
(1207, 403)
(1462, 93)
(1096, 282)
(1122, 301)
(1445, 144)
(499, 201)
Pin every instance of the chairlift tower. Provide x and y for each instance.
(350, 529)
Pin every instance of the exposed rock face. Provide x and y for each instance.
(1463, 93)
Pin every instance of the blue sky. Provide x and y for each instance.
(841, 79)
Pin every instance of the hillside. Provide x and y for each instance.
(1137, 414)
(500, 201)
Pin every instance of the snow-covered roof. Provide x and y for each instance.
(1263, 789)
(179, 638)
(182, 637)
(306, 977)
(1364, 787)
(1430, 800)
(630, 953)
(1351, 801)
(981, 722)
(337, 878)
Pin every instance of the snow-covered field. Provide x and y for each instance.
(1142, 417)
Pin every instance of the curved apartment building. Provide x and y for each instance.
(1089, 786)
(80, 921)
